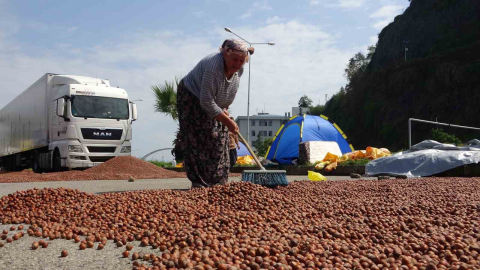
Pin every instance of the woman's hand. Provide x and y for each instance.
(232, 126)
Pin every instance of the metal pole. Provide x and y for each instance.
(409, 133)
(248, 102)
(406, 49)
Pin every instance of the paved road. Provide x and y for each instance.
(104, 186)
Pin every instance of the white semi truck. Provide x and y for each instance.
(66, 122)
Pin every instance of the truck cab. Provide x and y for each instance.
(90, 123)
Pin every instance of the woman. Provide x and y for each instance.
(202, 98)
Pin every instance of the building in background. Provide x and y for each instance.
(265, 124)
(300, 110)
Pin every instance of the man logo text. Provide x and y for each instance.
(102, 134)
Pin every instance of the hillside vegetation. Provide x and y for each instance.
(439, 81)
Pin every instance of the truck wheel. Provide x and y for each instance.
(36, 163)
(57, 162)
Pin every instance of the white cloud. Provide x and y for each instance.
(381, 24)
(343, 4)
(273, 20)
(385, 15)
(387, 11)
(246, 15)
(42, 27)
(373, 40)
(199, 14)
(351, 3)
(72, 29)
(305, 60)
(259, 5)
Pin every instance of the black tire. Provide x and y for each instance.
(36, 163)
(57, 162)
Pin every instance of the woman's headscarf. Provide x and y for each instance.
(234, 46)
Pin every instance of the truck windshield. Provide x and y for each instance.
(99, 107)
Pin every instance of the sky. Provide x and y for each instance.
(138, 44)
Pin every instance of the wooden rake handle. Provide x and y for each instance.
(251, 151)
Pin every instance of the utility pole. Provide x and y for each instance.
(326, 95)
(406, 49)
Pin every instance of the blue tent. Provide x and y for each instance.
(304, 128)
(243, 151)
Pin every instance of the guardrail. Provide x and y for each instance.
(153, 152)
(430, 122)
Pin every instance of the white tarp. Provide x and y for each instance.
(426, 158)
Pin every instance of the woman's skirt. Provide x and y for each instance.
(205, 142)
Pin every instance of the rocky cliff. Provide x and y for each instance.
(440, 80)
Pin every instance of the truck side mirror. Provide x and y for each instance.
(134, 111)
(60, 107)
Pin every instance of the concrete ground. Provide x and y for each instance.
(105, 186)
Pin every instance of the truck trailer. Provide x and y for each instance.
(66, 122)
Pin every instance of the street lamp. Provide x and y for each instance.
(249, 68)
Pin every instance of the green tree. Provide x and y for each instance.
(355, 66)
(166, 98)
(317, 110)
(358, 64)
(443, 137)
(166, 103)
(305, 101)
(261, 145)
(371, 51)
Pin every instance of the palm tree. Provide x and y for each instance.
(166, 98)
(166, 103)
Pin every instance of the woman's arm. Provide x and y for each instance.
(207, 102)
(207, 94)
(231, 125)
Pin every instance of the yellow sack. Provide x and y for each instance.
(179, 165)
(386, 151)
(319, 166)
(245, 160)
(330, 157)
(357, 155)
(343, 158)
(374, 153)
(314, 176)
(331, 167)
